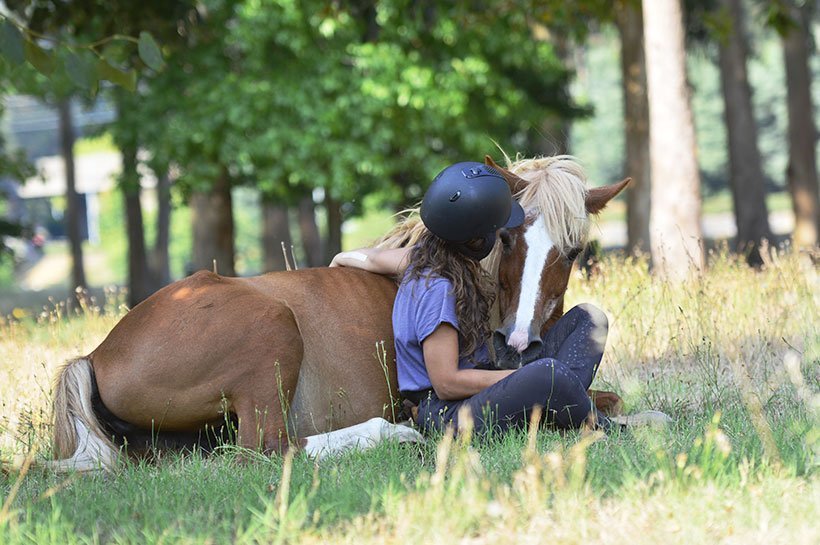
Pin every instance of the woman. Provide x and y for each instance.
(441, 317)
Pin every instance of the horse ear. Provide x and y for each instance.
(515, 182)
(598, 197)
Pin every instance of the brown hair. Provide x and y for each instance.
(472, 286)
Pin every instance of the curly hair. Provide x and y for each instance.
(473, 287)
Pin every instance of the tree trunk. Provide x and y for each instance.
(636, 125)
(311, 241)
(745, 173)
(162, 263)
(802, 172)
(139, 282)
(677, 245)
(212, 217)
(275, 231)
(334, 227)
(73, 230)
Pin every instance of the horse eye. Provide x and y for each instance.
(505, 238)
(573, 254)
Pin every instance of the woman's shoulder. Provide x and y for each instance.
(426, 285)
(425, 278)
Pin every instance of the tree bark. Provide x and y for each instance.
(636, 126)
(212, 218)
(334, 227)
(677, 245)
(73, 230)
(162, 263)
(275, 232)
(802, 171)
(746, 177)
(139, 282)
(311, 241)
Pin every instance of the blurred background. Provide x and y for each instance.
(141, 141)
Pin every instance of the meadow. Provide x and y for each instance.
(733, 357)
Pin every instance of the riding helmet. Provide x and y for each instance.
(468, 201)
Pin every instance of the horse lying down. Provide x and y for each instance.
(304, 359)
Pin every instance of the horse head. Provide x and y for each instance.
(533, 262)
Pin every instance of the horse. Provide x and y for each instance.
(304, 359)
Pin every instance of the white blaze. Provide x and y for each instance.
(539, 245)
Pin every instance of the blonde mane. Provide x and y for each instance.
(555, 188)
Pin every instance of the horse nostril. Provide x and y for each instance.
(518, 340)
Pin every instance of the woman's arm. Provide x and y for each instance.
(441, 359)
(377, 260)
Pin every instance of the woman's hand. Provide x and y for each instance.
(378, 260)
(349, 259)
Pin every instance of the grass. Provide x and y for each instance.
(733, 357)
(104, 143)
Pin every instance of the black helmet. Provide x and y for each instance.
(467, 201)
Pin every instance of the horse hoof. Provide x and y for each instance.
(402, 432)
(643, 418)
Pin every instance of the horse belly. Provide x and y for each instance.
(181, 358)
(347, 374)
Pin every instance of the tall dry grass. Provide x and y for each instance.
(733, 356)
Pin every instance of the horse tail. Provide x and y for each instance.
(80, 443)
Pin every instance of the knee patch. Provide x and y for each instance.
(595, 315)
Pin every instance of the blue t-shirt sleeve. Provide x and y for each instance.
(436, 304)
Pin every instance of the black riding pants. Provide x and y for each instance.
(557, 382)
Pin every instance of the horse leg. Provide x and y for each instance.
(261, 425)
(358, 437)
(262, 398)
(608, 403)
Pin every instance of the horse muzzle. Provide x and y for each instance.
(511, 357)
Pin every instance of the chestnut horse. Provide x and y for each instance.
(303, 358)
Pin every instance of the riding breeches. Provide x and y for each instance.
(557, 382)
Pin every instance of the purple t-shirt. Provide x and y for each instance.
(422, 304)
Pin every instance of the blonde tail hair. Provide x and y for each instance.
(80, 443)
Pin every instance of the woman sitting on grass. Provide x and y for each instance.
(441, 318)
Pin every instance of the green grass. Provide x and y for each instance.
(104, 143)
(733, 357)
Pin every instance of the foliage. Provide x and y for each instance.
(350, 98)
(79, 45)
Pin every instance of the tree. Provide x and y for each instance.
(213, 227)
(72, 216)
(792, 21)
(675, 217)
(59, 96)
(94, 43)
(745, 173)
(380, 96)
(275, 235)
(629, 20)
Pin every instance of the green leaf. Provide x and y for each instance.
(80, 71)
(11, 42)
(127, 79)
(39, 58)
(149, 52)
